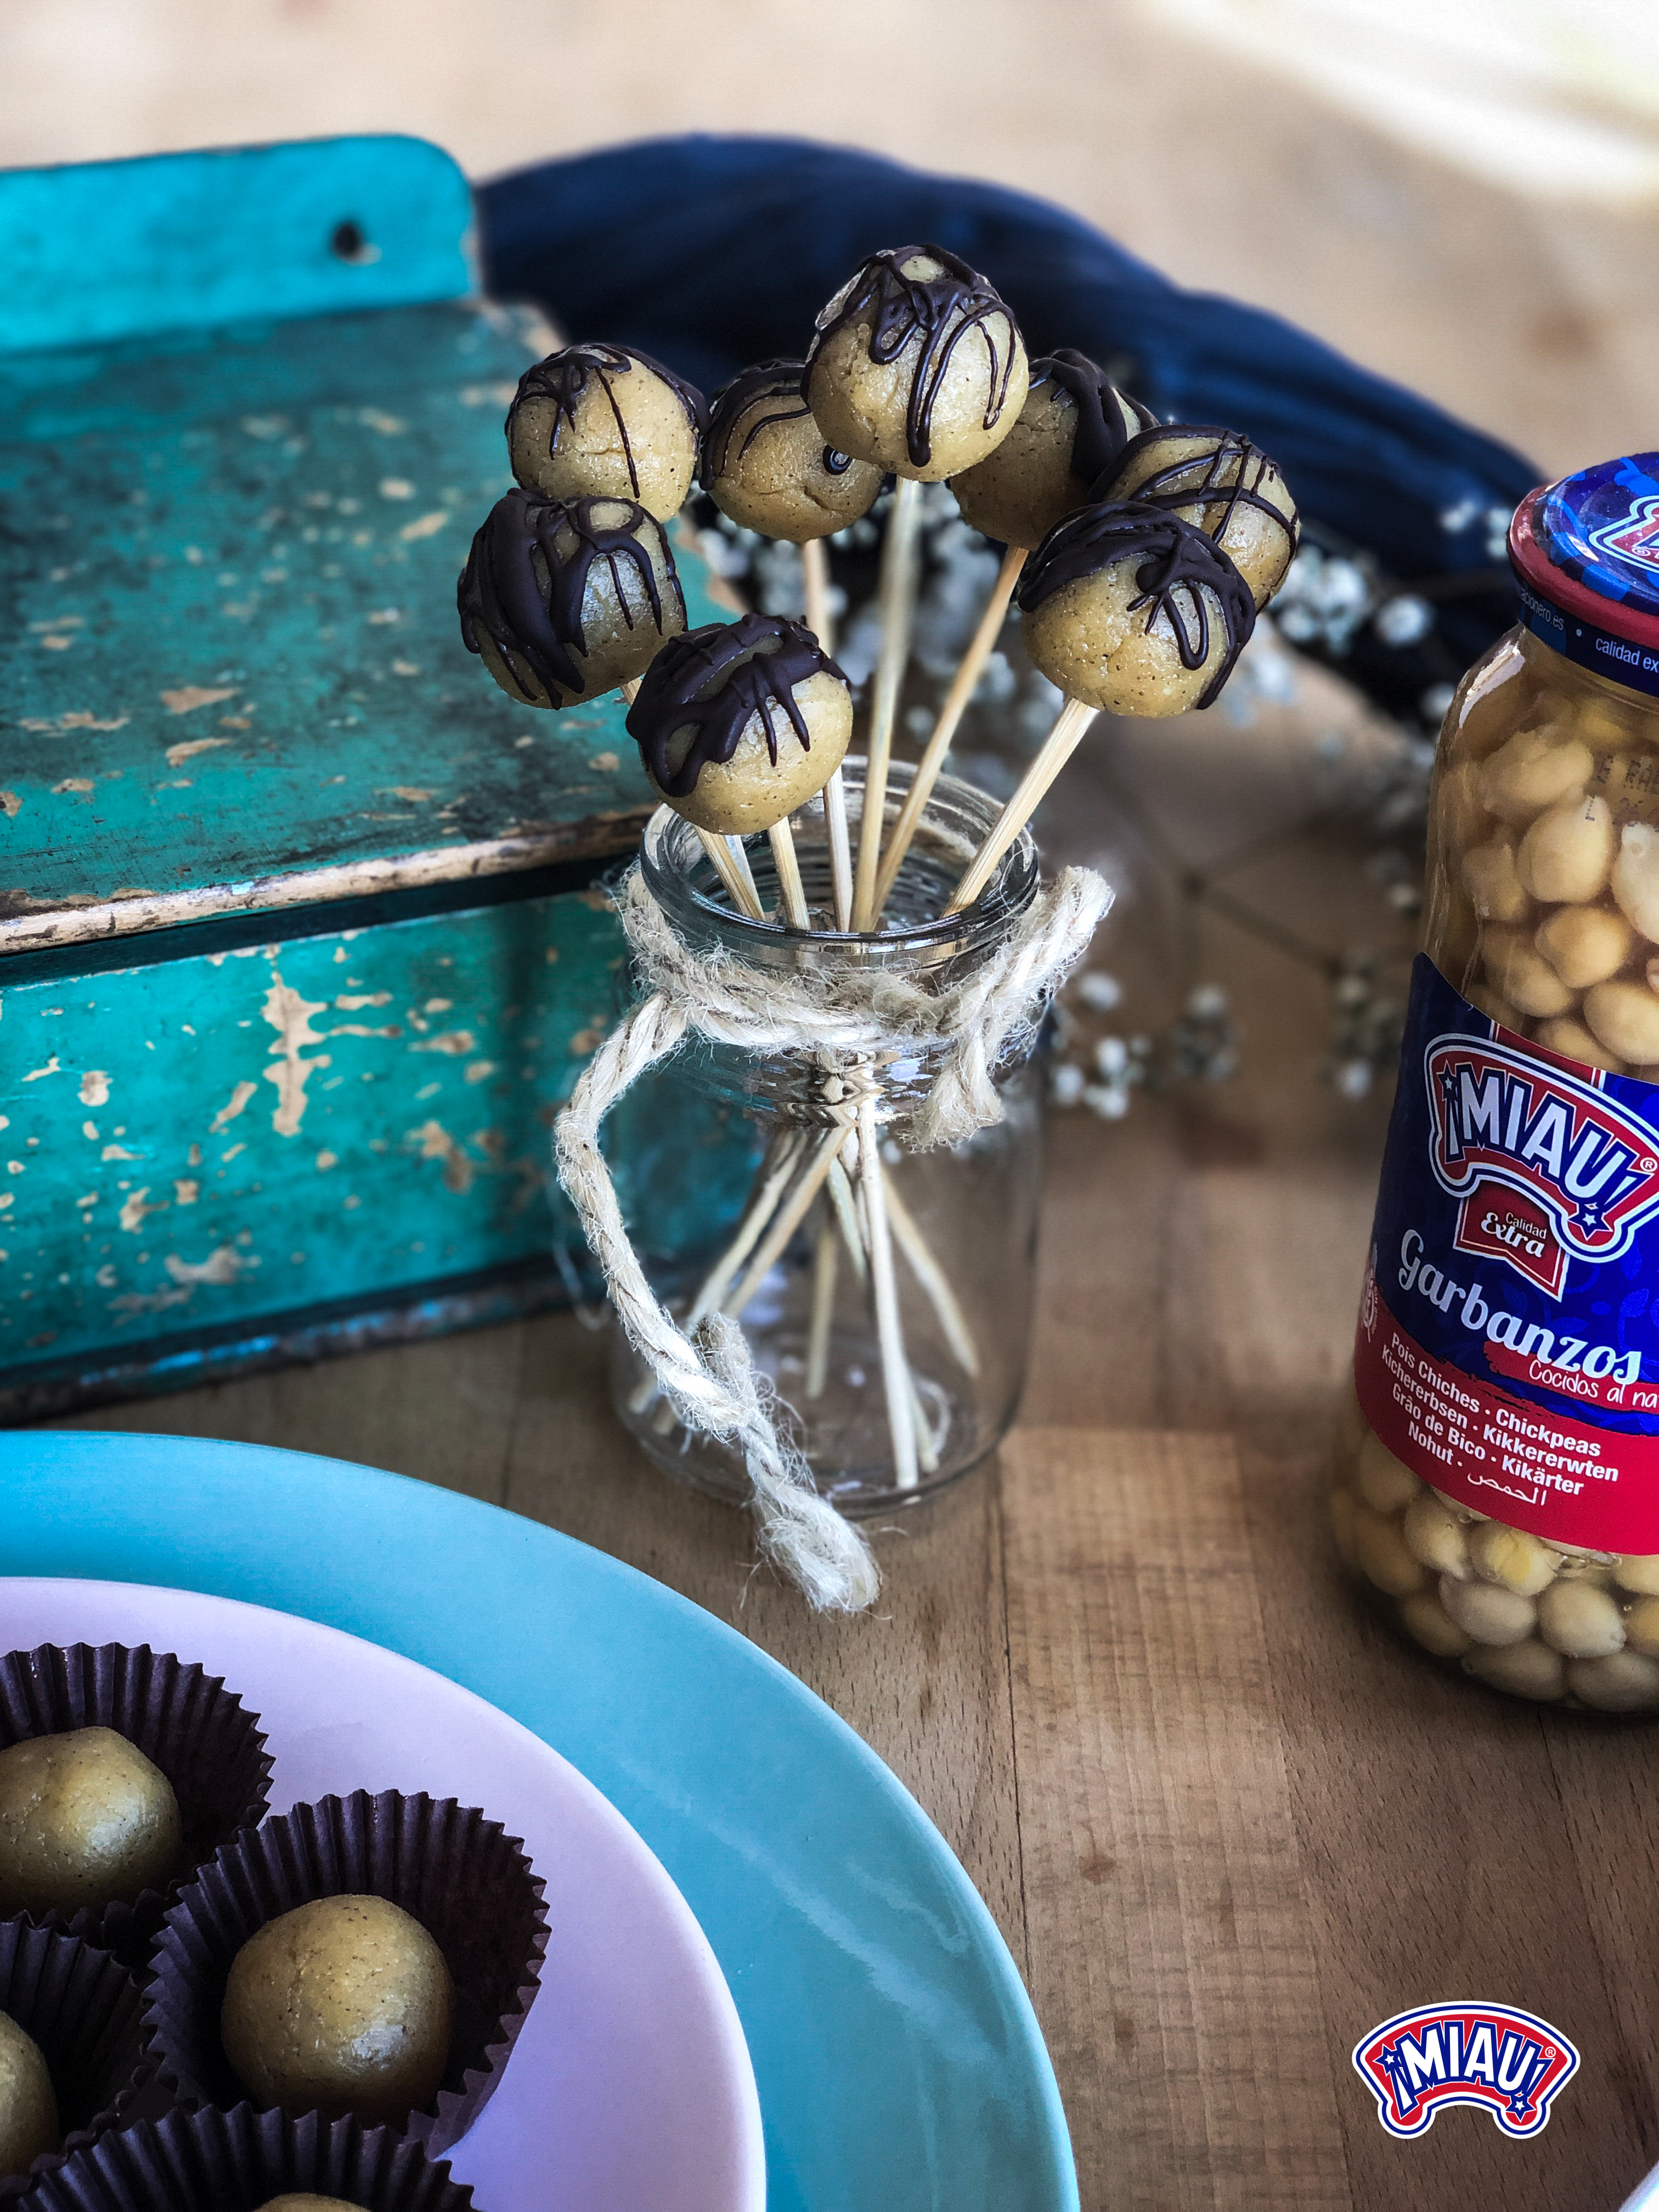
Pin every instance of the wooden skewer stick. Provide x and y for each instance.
(787, 1220)
(846, 1212)
(962, 689)
(782, 1158)
(815, 566)
(838, 837)
(732, 866)
(791, 890)
(840, 1212)
(731, 861)
(926, 1457)
(826, 1264)
(898, 594)
(934, 1281)
(895, 1367)
(781, 1165)
(1061, 742)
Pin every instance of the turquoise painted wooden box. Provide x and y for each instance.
(300, 940)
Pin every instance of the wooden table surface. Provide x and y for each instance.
(1225, 1821)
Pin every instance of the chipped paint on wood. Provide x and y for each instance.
(414, 1167)
(233, 687)
(289, 1015)
(233, 1106)
(227, 723)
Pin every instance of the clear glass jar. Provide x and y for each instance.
(964, 1218)
(1496, 1480)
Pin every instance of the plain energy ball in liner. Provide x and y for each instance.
(85, 1820)
(598, 421)
(1133, 609)
(28, 2110)
(343, 2005)
(1070, 435)
(768, 466)
(1222, 485)
(739, 723)
(917, 365)
(565, 600)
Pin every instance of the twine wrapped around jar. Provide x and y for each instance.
(851, 1021)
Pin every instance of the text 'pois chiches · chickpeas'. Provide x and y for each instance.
(1497, 1483)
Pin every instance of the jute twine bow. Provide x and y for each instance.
(711, 1382)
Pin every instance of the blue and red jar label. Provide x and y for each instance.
(1508, 1346)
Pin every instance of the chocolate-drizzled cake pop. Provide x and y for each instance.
(918, 365)
(565, 600)
(1222, 485)
(604, 421)
(1129, 608)
(739, 723)
(768, 465)
(1071, 430)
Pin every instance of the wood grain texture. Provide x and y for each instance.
(1227, 1821)
(1168, 1913)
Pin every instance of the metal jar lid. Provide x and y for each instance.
(1585, 553)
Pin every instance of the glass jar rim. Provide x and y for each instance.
(671, 853)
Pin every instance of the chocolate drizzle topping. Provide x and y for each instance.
(1179, 571)
(564, 378)
(527, 597)
(782, 380)
(943, 308)
(715, 681)
(1231, 454)
(1101, 436)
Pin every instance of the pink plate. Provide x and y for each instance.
(629, 2089)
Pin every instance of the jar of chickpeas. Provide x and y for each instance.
(1497, 1474)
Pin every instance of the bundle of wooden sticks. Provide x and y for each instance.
(1141, 553)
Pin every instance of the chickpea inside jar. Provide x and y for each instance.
(1497, 1478)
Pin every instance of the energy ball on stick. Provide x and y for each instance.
(766, 465)
(562, 600)
(604, 420)
(1222, 485)
(1075, 427)
(1128, 609)
(740, 723)
(917, 366)
(1071, 430)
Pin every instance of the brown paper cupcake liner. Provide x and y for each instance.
(81, 2008)
(197, 1731)
(460, 1874)
(212, 2161)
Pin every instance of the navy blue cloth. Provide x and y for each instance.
(711, 253)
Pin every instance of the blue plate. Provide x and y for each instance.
(899, 2062)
